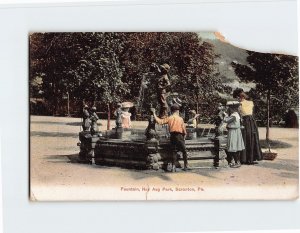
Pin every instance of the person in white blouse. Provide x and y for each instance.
(252, 152)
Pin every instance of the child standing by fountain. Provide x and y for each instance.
(125, 116)
(177, 132)
(193, 118)
(235, 143)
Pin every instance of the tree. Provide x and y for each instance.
(86, 65)
(193, 73)
(52, 55)
(109, 67)
(275, 75)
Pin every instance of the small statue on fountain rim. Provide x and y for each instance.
(94, 118)
(150, 132)
(118, 114)
(220, 125)
(86, 123)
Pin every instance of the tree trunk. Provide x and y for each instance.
(268, 119)
(108, 117)
(68, 104)
(55, 100)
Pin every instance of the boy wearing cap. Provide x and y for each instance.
(177, 132)
(235, 143)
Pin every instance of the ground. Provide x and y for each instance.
(55, 174)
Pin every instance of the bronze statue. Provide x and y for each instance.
(86, 123)
(163, 85)
(150, 130)
(118, 114)
(94, 125)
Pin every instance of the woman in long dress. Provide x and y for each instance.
(252, 152)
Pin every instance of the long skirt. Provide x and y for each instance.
(252, 150)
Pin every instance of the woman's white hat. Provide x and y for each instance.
(233, 103)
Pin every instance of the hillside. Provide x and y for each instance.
(227, 54)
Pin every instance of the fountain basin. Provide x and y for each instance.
(135, 151)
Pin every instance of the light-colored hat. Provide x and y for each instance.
(177, 101)
(127, 105)
(165, 66)
(193, 112)
(94, 108)
(233, 103)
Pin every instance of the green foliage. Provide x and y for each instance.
(275, 74)
(109, 67)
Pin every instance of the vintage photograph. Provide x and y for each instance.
(160, 116)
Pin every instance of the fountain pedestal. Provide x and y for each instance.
(87, 146)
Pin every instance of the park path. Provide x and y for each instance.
(55, 175)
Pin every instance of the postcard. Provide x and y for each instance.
(160, 116)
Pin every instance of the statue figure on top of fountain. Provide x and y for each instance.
(163, 86)
(220, 125)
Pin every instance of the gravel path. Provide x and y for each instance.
(55, 174)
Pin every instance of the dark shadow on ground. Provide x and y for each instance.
(79, 123)
(47, 122)
(60, 123)
(74, 123)
(206, 172)
(52, 134)
(289, 175)
(64, 148)
(72, 158)
(279, 164)
(275, 144)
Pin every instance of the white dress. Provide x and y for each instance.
(234, 139)
(126, 122)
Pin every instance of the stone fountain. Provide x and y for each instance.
(148, 148)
